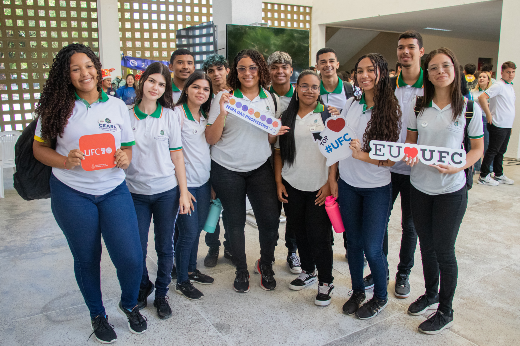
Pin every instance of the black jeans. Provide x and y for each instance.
(437, 221)
(212, 239)
(313, 231)
(498, 140)
(260, 187)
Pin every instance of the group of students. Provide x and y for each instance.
(178, 148)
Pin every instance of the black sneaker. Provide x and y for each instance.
(187, 289)
(212, 257)
(436, 323)
(200, 278)
(241, 283)
(143, 295)
(324, 293)
(103, 330)
(303, 280)
(371, 308)
(294, 263)
(228, 255)
(136, 321)
(163, 308)
(354, 302)
(368, 281)
(422, 304)
(402, 286)
(267, 282)
(174, 273)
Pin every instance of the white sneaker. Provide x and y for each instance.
(487, 180)
(504, 180)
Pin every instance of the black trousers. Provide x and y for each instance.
(212, 239)
(437, 221)
(260, 187)
(313, 230)
(498, 141)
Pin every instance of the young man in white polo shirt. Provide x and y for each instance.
(182, 64)
(333, 91)
(500, 115)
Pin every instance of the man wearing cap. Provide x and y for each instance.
(107, 81)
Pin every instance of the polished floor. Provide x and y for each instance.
(42, 305)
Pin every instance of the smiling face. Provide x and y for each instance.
(218, 75)
(483, 80)
(408, 52)
(441, 71)
(280, 74)
(247, 72)
(154, 87)
(130, 81)
(367, 75)
(183, 66)
(327, 64)
(107, 83)
(83, 73)
(308, 89)
(198, 92)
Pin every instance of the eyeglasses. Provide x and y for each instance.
(437, 69)
(306, 88)
(252, 69)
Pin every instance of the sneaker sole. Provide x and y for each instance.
(321, 302)
(266, 289)
(201, 283)
(241, 291)
(369, 287)
(433, 332)
(504, 183)
(185, 296)
(295, 270)
(299, 288)
(486, 183)
(401, 296)
(429, 307)
(374, 315)
(130, 328)
(102, 341)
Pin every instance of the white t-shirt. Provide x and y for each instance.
(502, 103)
(355, 172)
(196, 149)
(107, 115)
(152, 170)
(284, 99)
(309, 171)
(242, 146)
(336, 98)
(406, 95)
(176, 93)
(436, 127)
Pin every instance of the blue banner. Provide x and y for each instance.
(138, 63)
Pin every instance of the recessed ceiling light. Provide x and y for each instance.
(437, 29)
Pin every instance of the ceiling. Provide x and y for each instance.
(477, 21)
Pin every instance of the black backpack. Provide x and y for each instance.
(349, 90)
(31, 178)
(470, 171)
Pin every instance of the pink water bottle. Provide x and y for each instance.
(332, 208)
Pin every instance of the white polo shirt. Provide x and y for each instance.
(336, 98)
(242, 146)
(152, 170)
(502, 103)
(176, 93)
(196, 150)
(284, 99)
(406, 95)
(436, 127)
(309, 171)
(355, 172)
(107, 115)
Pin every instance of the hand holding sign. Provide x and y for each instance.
(334, 140)
(100, 152)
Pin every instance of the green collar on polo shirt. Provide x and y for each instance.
(140, 115)
(238, 94)
(506, 81)
(338, 89)
(102, 98)
(419, 84)
(319, 108)
(188, 114)
(364, 103)
(289, 93)
(174, 87)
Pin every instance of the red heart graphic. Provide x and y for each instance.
(336, 125)
(412, 152)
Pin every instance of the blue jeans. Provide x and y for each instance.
(164, 207)
(84, 218)
(365, 215)
(190, 227)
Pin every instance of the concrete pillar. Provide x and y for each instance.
(108, 28)
(509, 50)
(317, 38)
(234, 12)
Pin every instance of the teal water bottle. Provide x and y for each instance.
(213, 216)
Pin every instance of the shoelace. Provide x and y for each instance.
(401, 280)
(357, 297)
(135, 317)
(304, 275)
(373, 305)
(295, 260)
(162, 301)
(267, 272)
(100, 323)
(242, 276)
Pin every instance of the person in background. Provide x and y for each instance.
(469, 75)
(312, 68)
(107, 81)
(484, 83)
(127, 92)
(392, 74)
(332, 89)
(88, 205)
(182, 64)
(398, 68)
(489, 68)
(217, 69)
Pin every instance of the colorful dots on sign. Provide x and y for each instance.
(269, 121)
(275, 123)
(251, 111)
(232, 102)
(263, 117)
(239, 105)
(244, 108)
(257, 114)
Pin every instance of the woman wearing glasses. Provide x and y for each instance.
(439, 191)
(301, 176)
(240, 166)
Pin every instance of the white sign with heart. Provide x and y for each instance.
(334, 140)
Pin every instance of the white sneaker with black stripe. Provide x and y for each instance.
(504, 180)
(303, 280)
(487, 180)
(324, 293)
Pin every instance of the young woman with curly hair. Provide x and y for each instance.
(90, 204)
(439, 192)
(364, 189)
(240, 165)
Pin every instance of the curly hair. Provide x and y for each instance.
(258, 59)
(214, 60)
(166, 99)
(385, 122)
(57, 98)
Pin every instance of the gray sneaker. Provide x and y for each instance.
(402, 286)
(504, 180)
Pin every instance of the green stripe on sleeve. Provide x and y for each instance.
(128, 144)
(175, 149)
(413, 130)
(475, 137)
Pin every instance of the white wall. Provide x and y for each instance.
(108, 24)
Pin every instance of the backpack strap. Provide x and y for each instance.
(274, 101)
(393, 83)
(417, 107)
(349, 90)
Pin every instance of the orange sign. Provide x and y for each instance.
(99, 151)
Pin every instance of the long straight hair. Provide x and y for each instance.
(195, 76)
(287, 142)
(166, 99)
